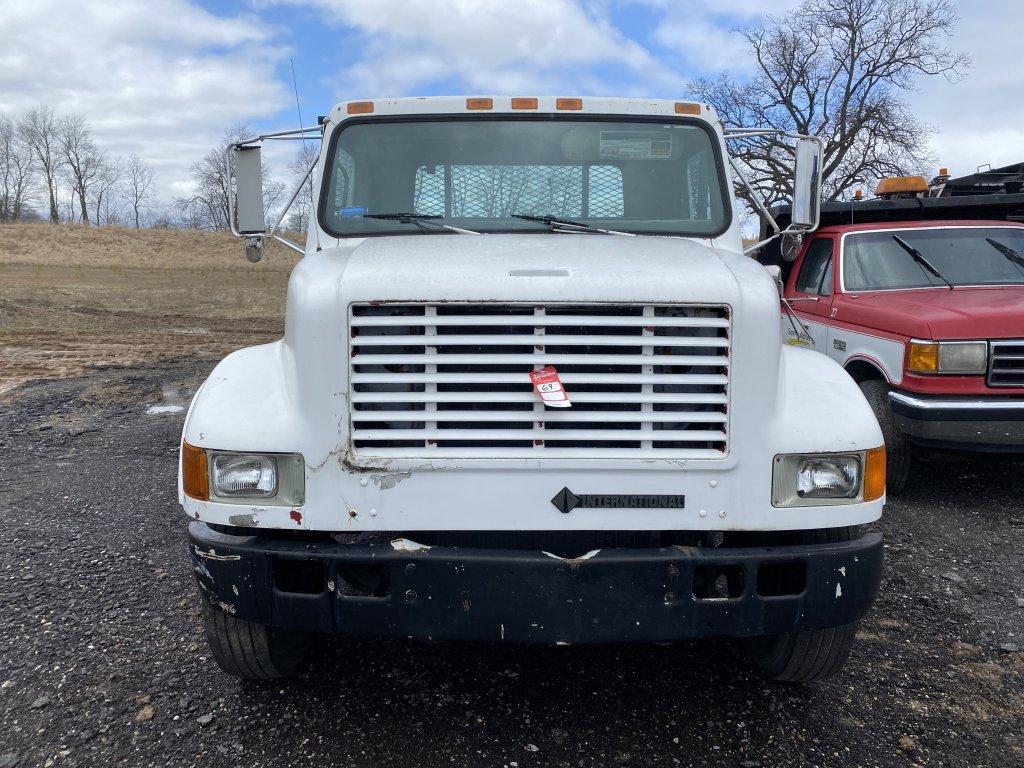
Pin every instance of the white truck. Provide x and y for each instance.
(530, 390)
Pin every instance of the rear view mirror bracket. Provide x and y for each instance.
(244, 179)
(808, 152)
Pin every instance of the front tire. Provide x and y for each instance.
(252, 651)
(897, 448)
(806, 655)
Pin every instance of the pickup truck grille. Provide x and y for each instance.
(452, 380)
(1006, 363)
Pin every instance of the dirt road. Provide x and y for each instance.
(102, 659)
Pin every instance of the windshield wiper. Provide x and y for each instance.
(920, 259)
(1011, 255)
(568, 225)
(420, 220)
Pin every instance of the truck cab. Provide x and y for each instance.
(530, 390)
(928, 318)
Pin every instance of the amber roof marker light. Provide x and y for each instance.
(359, 107)
(524, 103)
(569, 104)
(479, 103)
(687, 108)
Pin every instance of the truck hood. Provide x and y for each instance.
(939, 313)
(546, 267)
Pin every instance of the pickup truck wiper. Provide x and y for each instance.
(1011, 255)
(920, 259)
(420, 220)
(568, 225)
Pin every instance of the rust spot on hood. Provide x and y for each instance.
(296, 516)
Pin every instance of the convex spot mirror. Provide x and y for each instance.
(253, 249)
(250, 217)
(807, 185)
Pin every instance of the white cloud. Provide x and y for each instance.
(487, 46)
(701, 34)
(979, 119)
(162, 79)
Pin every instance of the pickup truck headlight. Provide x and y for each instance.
(243, 478)
(821, 479)
(951, 357)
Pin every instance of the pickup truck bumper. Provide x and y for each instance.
(961, 423)
(530, 596)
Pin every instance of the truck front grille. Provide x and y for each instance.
(1006, 363)
(452, 380)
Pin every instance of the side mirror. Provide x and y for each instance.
(807, 186)
(250, 217)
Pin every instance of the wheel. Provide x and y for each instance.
(897, 447)
(807, 654)
(252, 651)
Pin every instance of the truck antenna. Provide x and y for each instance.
(298, 108)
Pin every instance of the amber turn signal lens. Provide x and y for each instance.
(195, 479)
(568, 103)
(360, 107)
(923, 357)
(686, 108)
(874, 474)
(479, 103)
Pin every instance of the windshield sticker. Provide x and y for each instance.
(636, 144)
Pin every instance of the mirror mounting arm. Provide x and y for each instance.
(254, 240)
(792, 229)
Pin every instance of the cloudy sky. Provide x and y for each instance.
(164, 78)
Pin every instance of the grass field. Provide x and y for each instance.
(73, 297)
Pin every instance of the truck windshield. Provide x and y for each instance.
(654, 177)
(874, 261)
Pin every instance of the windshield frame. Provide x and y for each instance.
(716, 148)
(943, 287)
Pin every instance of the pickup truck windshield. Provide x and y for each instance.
(875, 261)
(655, 177)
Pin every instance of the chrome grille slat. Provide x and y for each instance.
(452, 380)
(1006, 363)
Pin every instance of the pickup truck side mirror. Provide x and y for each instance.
(250, 217)
(807, 186)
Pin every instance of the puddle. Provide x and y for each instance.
(190, 331)
(165, 409)
(172, 401)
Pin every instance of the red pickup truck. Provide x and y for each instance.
(928, 317)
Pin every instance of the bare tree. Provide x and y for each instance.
(16, 172)
(207, 207)
(103, 190)
(837, 69)
(138, 186)
(302, 208)
(83, 160)
(38, 128)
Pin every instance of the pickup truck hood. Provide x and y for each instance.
(545, 267)
(939, 313)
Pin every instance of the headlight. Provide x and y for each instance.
(951, 357)
(243, 478)
(244, 474)
(821, 479)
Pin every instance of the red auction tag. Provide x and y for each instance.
(547, 384)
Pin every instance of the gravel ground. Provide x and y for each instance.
(103, 661)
